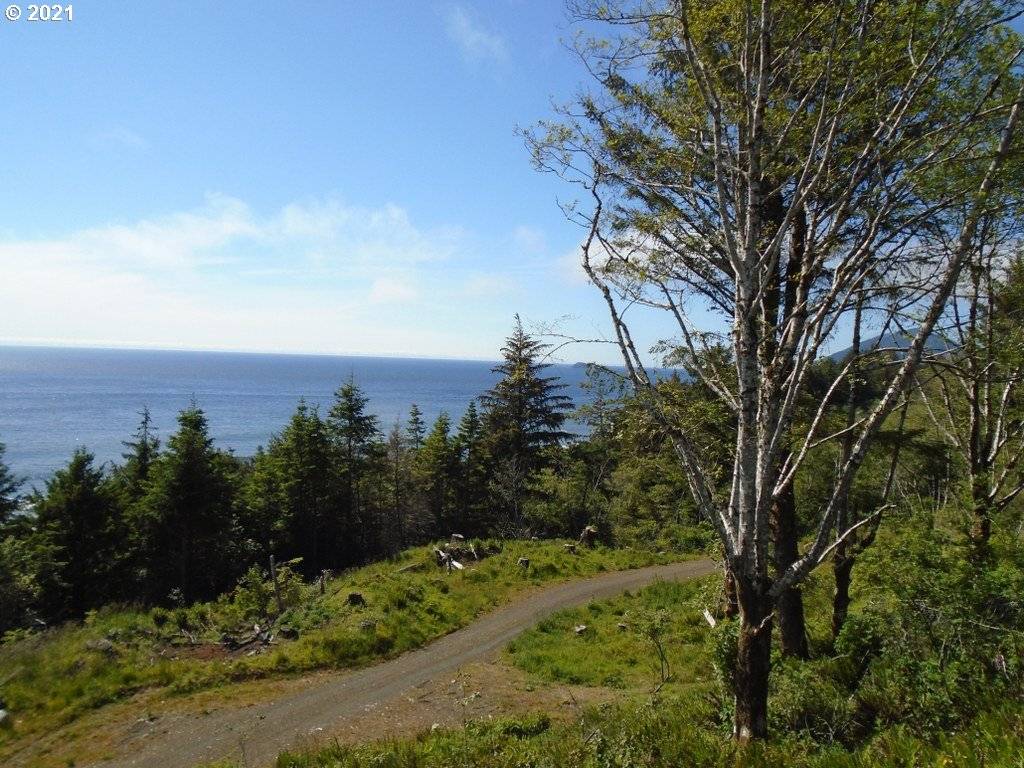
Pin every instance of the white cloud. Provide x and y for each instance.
(475, 42)
(311, 276)
(308, 277)
(328, 235)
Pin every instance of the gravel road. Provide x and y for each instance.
(254, 735)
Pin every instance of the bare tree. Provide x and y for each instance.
(753, 169)
(973, 391)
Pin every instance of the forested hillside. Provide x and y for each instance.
(758, 184)
(181, 522)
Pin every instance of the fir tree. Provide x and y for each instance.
(470, 474)
(524, 416)
(434, 473)
(263, 515)
(469, 428)
(142, 451)
(79, 517)
(399, 482)
(353, 431)
(416, 428)
(302, 455)
(9, 486)
(525, 411)
(187, 514)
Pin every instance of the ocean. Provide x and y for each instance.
(54, 400)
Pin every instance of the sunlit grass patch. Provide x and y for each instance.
(614, 650)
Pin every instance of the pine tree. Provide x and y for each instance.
(524, 415)
(28, 574)
(353, 432)
(187, 515)
(469, 428)
(79, 516)
(142, 451)
(263, 515)
(302, 455)
(435, 464)
(471, 474)
(9, 486)
(416, 428)
(525, 411)
(400, 529)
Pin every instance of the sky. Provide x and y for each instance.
(330, 177)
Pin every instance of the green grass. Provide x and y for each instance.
(671, 733)
(55, 677)
(613, 651)
(686, 722)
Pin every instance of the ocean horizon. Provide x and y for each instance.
(54, 400)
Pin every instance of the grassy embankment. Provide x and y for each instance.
(52, 678)
(885, 709)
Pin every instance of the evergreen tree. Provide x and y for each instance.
(79, 516)
(28, 574)
(469, 428)
(187, 514)
(416, 429)
(263, 516)
(353, 432)
(400, 527)
(303, 459)
(524, 415)
(142, 451)
(471, 475)
(9, 486)
(525, 411)
(435, 463)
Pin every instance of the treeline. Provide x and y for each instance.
(181, 521)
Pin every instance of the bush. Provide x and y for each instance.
(160, 617)
(807, 698)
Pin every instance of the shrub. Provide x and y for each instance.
(807, 698)
(160, 617)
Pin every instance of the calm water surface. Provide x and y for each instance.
(53, 400)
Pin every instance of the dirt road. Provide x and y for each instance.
(254, 735)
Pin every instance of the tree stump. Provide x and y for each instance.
(588, 537)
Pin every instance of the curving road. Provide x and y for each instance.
(255, 735)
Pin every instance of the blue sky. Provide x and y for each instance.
(308, 177)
